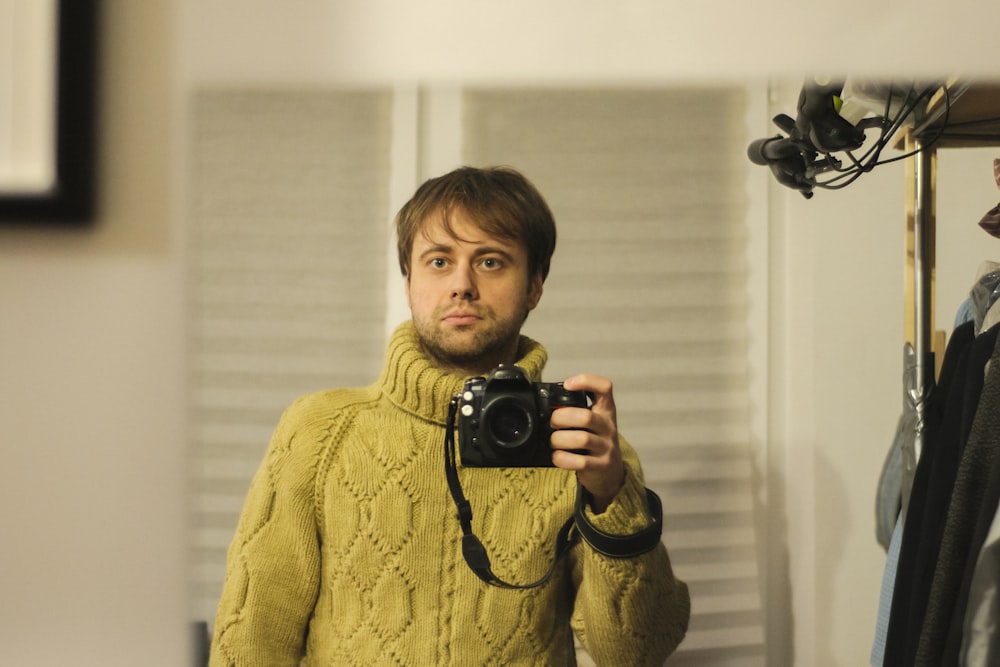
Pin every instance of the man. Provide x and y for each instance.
(349, 551)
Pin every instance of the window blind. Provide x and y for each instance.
(287, 239)
(648, 287)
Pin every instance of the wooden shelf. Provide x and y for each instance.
(966, 114)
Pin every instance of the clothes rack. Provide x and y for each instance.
(927, 585)
(961, 114)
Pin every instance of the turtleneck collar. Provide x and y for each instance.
(413, 384)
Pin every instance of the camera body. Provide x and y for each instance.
(503, 419)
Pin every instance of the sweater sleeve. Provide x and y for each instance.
(273, 562)
(628, 611)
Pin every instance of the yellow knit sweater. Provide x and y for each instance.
(348, 550)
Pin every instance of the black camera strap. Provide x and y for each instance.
(472, 547)
(620, 546)
(614, 546)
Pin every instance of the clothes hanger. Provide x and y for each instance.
(991, 221)
(985, 294)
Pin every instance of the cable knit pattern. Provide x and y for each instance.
(348, 551)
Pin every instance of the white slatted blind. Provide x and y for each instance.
(288, 236)
(648, 287)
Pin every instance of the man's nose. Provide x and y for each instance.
(464, 284)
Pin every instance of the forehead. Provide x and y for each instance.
(454, 227)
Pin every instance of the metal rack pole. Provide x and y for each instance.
(923, 270)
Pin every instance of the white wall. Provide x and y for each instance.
(91, 356)
(836, 341)
(91, 408)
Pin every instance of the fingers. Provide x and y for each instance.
(601, 417)
(587, 440)
(582, 450)
(596, 460)
(600, 387)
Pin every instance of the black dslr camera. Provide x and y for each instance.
(503, 419)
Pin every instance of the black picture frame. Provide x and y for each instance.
(72, 198)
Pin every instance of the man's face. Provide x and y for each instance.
(469, 295)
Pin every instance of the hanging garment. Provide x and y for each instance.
(992, 316)
(888, 497)
(984, 521)
(932, 485)
(964, 312)
(896, 479)
(991, 221)
(981, 452)
(877, 658)
(985, 294)
(980, 640)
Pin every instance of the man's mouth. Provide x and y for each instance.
(461, 318)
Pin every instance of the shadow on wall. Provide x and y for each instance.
(830, 492)
(200, 643)
(770, 510)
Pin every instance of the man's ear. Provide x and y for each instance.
(406, 289)
(535, 289)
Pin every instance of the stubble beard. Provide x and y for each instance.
(472, 350)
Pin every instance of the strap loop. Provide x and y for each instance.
(620, 546)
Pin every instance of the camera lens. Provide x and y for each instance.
(508, 424)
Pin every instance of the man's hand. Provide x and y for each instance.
(587, 440)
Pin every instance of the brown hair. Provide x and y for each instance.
(499, 200)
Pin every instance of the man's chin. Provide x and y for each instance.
(457, 352)
(461, 351)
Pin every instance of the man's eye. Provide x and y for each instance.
(491, 263)
(438, 262)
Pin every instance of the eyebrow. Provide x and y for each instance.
(436, 248)
(479, 252)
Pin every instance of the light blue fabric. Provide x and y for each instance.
(889, 494)
(885, 597)
(965, 313)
